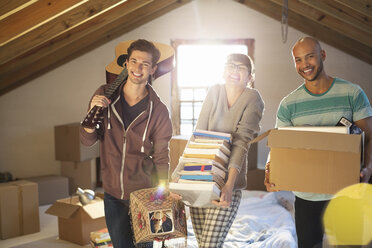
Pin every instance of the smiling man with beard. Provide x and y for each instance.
(321, 100)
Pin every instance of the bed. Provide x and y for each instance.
(264, 220)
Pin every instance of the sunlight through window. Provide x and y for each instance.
(202, 65)
(198, 67)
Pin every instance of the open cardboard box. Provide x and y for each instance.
(317, 162)
(75, 222)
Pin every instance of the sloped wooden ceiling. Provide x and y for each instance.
(39, 35)
(344, 24)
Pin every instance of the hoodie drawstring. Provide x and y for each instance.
(108, 118)
(112, 105)
(144, 134)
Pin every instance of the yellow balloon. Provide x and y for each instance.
(348, 216)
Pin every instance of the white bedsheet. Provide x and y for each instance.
(261, 222)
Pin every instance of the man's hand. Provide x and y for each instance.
(100, 101)
(269, 186)
(365, 175)
(97, 100)
(366, 125)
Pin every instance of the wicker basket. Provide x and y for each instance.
(156, 216)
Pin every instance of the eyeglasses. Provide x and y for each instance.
(232, 66)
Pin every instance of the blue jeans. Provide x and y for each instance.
(118, 223)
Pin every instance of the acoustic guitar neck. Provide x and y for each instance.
(94, 117)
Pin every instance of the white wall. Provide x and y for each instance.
(29, 113)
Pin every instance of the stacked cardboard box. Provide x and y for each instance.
(255, 179)
(78, 162)
(202, 168)
(255, 175)
(68, 146)
(19, 209)
(50, 188)
(80, 174)
(79, 165)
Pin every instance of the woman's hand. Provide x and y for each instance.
(226, 196)
(227, 189)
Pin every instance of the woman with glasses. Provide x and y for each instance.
(233, 107)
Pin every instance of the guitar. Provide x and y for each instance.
(94, 117)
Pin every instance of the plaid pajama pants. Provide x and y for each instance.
(211, 225)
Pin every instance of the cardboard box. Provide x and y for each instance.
(255, 179)
(177, 145)
(19, 209)
(51, 188)
(75, 222)
(252, 157)
(80, 174)
(316, 162)
(9, 205)
(68, 146)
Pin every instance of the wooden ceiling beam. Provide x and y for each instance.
(342, 13)
(59, 42)
(31, 16)
(7, 6)
(314, 29)
(328, 21)
(362, 6)
(53, 28)
(51, 58)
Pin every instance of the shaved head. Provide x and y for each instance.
(307, 41)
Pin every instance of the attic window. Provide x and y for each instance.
(199, 65)
(202, 65)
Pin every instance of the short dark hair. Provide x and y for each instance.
(245, 59)
(144, 46)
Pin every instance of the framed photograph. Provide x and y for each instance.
(161, 221)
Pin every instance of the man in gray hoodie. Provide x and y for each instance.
(134, 147)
